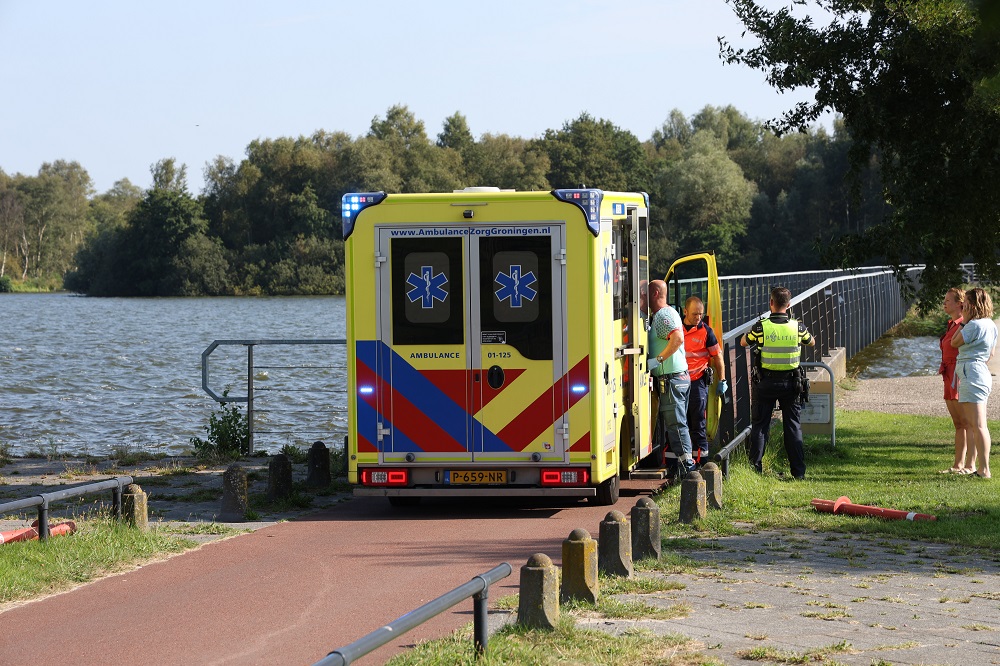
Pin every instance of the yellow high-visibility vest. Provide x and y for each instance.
(780, 348)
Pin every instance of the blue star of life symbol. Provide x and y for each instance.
(516, 286)
(607, 270)
(427, 287)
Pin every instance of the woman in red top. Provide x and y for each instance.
(965, 456)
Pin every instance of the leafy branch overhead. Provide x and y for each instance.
(917, 83)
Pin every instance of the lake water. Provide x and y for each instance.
(897, 357)
(83, 375)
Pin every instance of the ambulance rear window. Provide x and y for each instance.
(516, 292)
(427, 295)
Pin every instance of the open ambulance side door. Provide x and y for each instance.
(697, 275)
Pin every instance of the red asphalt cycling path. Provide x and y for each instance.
(292, 592)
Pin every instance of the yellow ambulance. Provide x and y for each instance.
(496, 342)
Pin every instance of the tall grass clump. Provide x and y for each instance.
(228, 433)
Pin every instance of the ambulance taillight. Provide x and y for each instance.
(385, 477)
(564, 477)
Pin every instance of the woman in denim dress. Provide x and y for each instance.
(976, 341)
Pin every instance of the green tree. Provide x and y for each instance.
(595, 153)
(167, 175)
(456, 134)
(11, 226)
(55, 218)
(918, 84)
(110, 210)
(420, 165)
(499, 160)
(162, 233)
(707, 199)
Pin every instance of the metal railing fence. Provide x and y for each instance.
(44, 500)
(288, 397)
(477, 588)
(745, 297)
(849, 311)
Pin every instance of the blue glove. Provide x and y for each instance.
(722, 388)
(652, 364)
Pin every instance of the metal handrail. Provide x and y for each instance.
(43, 500)
(477, 588)
(251, 368)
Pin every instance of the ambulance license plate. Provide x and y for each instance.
(466, 477)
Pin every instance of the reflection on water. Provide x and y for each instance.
(897, 357)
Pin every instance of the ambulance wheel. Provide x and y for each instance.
(398, 501)
(607, 492)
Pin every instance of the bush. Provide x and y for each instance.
(295, 454)
(6, 286)
(228, 434)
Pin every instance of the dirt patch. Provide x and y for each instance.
(181, 491)
(922, 396)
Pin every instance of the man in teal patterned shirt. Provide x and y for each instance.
(668, 365)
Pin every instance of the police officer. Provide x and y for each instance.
(778, 339)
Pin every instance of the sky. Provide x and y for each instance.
(119, 85)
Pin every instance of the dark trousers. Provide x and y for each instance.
(697, 403)
(766, 393)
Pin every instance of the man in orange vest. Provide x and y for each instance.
(702, 349)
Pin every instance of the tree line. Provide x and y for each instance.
(270, 223)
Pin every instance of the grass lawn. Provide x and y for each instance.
(886, 460)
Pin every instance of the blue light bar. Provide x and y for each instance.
(587, 200)
(366, 390)
(579, 388)
(353, 203)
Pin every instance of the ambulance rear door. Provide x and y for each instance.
(519, 385)
(423, 362)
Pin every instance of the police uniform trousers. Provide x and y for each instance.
(776, 388)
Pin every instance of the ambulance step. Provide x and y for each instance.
(648, 474)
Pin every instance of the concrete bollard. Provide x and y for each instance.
(579, 575)
(234, 495)
(645, 530)
(319, 466)
(693, 503)
(135, 507)
(538, 605)
(713, 484)
(279, 477)
(615, 545)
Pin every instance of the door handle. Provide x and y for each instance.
(495, 377)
